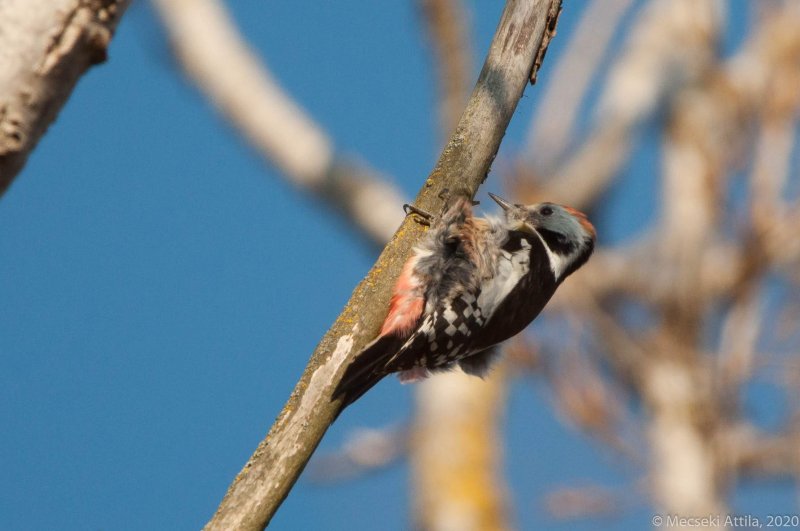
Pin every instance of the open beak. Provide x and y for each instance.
(515, 214)
(505, 205)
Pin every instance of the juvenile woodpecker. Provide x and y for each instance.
(469, 285)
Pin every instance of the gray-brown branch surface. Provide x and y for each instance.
(45, 47)
(266, 479)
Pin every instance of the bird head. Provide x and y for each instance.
(566, 233)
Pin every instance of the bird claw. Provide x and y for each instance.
(426, 218)
(423, 217)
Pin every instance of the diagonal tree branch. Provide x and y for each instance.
(553, 129)
(266, 479)
(671, 45)
(222, 65)
(45, 47)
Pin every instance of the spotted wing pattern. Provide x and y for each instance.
(453, 332)
(443, 338)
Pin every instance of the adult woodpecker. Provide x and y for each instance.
(469, 285)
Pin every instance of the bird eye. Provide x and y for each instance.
(546, 211)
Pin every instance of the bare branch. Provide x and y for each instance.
(672, 44)
(570, 79)
(456, 448)
(591, 501)
(445, 22)
(365, 450)
(268, 476)
(45, 47)
(756, 454)
(590, 402)
(222, 65)
(685, 474)
(655, 303)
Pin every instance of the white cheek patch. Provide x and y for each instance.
(511, 267)
(558, 263)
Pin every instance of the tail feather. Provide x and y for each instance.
(366, 370)
(478, 364)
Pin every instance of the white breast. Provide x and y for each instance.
(511, 267)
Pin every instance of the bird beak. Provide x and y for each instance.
(505, 205)
(516, 214)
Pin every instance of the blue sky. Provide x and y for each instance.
(162, 288)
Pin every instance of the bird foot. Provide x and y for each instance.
(421, 216)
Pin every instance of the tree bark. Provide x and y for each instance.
(45, 46)
(266, 479)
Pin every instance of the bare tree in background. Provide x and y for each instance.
(679, 315)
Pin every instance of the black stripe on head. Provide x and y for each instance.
(557, 242)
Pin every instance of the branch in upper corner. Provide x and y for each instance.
(40, 68)
(266, 480)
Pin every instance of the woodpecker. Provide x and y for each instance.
(470, 284)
